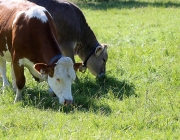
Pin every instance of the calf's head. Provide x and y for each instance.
(96, 61)
(60, 78)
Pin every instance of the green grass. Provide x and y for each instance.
(138, 99)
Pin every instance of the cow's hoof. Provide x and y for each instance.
(17, 99)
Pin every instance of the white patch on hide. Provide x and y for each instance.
(65, 65)
(16, 18)
(38, 12)
(25, 62)
(7, 56)
(21, 62)
(30, 65)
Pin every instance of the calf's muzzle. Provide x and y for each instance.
(68, 102)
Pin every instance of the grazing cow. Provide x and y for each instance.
(28, 38)
(75, 35)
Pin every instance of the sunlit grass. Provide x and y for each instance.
(138, 99)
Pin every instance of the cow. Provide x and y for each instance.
(76, 37)
(28, 38)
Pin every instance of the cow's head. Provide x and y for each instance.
(96, 63)
(60, 78)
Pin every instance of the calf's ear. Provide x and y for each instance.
(105, 45)
(42, 68)
(100, 49)
(77, 66)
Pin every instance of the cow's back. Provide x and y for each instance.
(8, 13)
(76, 36)
(9, 9)
(34, 30)
(69, 19)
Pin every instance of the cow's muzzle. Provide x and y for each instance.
(68, 102)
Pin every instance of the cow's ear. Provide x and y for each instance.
(42, 68)
(77, 66)
(99, 49)
(105, 46)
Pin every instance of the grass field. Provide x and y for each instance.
(138, 99)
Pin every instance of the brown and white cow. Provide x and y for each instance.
(28, 38)
(75, 35)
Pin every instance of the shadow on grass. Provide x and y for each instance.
(88, 96)
(88, 93)
(125, 4)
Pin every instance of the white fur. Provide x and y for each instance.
(27, 63)
(3, 72)
(60, 83)
(16, 18)
(7, 56)
(37, 12)
(65, 73)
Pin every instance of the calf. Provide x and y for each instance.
(28, 38)
(75, 35)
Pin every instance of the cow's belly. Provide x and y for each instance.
(27, 63)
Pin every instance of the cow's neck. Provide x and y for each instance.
(85, 51)
(88, 44)
(53, 58)
(50, 54)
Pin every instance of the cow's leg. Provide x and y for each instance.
(3, 72)
(13, 79)
(20, 80)
(18, 95)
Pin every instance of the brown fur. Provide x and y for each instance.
(74, 31)
(29, 38)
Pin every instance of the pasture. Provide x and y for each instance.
(138, 99)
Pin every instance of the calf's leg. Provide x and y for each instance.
(20, 80)
(3, 72)
(13, 79)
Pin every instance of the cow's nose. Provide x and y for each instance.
(68, 102)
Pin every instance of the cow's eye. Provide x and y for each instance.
(58, 80)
